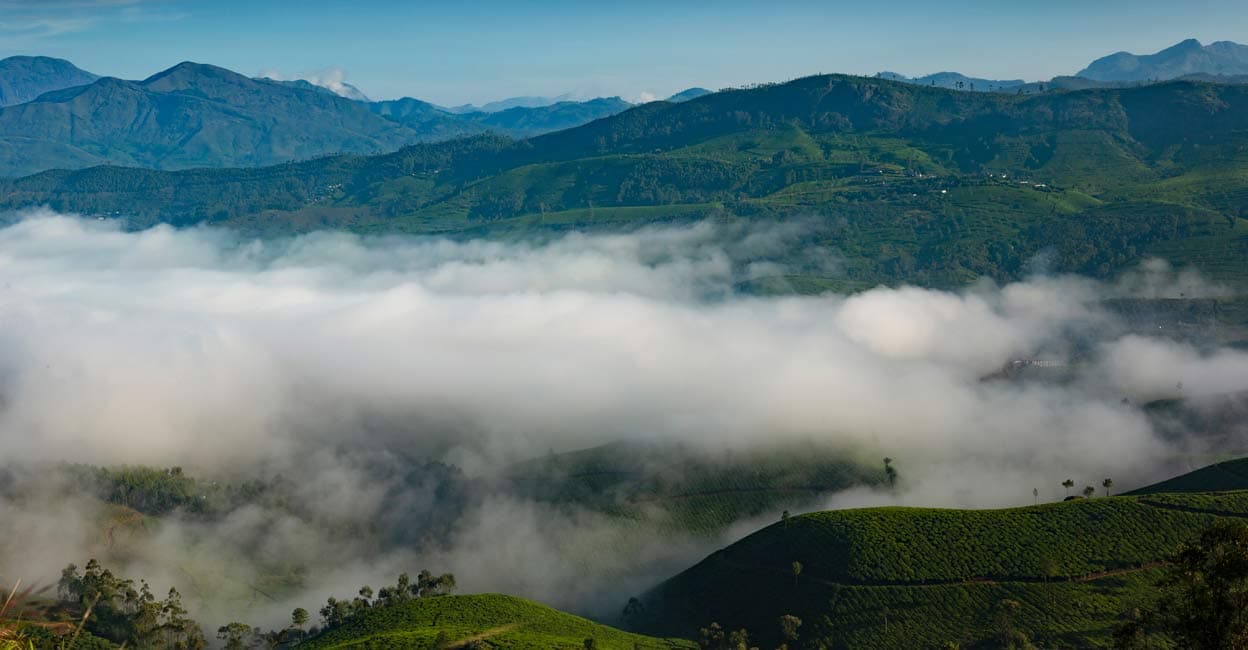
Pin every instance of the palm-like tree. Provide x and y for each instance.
(1068, 484)
(1107, 483)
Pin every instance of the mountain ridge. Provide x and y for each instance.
(1184, 58)
(25, 78)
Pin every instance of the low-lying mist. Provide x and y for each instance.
(337, 363)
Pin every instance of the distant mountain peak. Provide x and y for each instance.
(24, 78)
(688, 94)
(1187, 57)
(954, 81)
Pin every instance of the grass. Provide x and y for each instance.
(919, 578)
(495, 620)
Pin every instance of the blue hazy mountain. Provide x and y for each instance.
(1189, 57)
(23, 78)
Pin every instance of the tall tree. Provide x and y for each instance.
(1204, 595)
(1107, 483)
(1068, 484)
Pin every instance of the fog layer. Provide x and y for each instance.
(313, 357)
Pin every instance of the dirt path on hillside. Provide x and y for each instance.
(481, 636)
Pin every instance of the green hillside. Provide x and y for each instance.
(195, 115)
(901, 182)
(920, 578)
(690, 490)
(1226, 476)
(495, 620)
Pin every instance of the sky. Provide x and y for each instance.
(477, 51)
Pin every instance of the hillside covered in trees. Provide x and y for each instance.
(903, 181)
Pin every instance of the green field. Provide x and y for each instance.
(921, 578)
(495, 620)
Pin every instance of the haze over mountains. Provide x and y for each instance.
(1219, 62)
(196, 115)
(1186, 58)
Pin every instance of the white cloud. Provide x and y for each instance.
(203, 349)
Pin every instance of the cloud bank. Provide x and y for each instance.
(327, 356)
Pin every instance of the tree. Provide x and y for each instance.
(1035, 493)
(797, 571)
(237, 636)
(590, 644)
(712, 638)
(634, 610)
(1204, 595)
(1068, 484)
(1008, 636)
(1088, 491)
(784, 516)
(299, 618)
(1107, 483)
(890, 472)
(788, 627)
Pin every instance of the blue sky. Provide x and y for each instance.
(466, 51)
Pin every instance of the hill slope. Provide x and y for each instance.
(1226, 476)
(1185, 58)
(919, 578)
(23, 78)
(495, 620)
(195, 115)
(929, 185)
(690, 490)
(190, 115)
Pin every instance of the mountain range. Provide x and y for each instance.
(1186, 58)
(956, 80)
(1221, 62)
(195, 115)
(1098, 178)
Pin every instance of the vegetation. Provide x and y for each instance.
(1224, 476)
(689, 490)
(490, 620)
(122, 613)
(1055, 575)
(1204, 598)
(903, 182)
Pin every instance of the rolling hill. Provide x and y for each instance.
(494, 620)
(1230, 475)
(923, 578)
(688, 490)
(906, 182)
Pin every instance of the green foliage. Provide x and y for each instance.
(495, 620)
(688, 489)
(122, 613)
(910, 183)
(1204, 598)
(907, 577)
(1227, 475)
